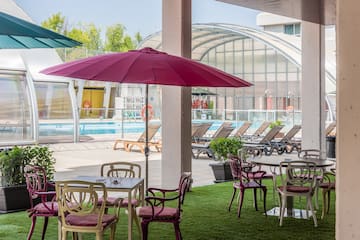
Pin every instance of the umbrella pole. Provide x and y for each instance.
(146, 138)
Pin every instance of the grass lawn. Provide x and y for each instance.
(205, 217)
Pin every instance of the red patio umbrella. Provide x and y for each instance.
(146, 66)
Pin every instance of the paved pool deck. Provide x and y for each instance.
(85, 158)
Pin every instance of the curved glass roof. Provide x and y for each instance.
(208, 36)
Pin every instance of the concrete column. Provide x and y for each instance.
(106, 100)
(348, 118)
(313, 86)
(176, 101)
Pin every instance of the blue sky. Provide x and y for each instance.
(142, 16)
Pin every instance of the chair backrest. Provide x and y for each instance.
(291, 133)
(270, 135)
(120, 169)
(224, 132)
(223, 125)
(184, 185)
(330, 128)
(152, 130)
(262, 128)
(238, 169)
(309, 154)
(241, 130)
(298, 173)
(80, 200)
(36, 183)
(201, 130)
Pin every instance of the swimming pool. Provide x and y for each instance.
(103, 127)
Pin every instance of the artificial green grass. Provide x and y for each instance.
(205, 217)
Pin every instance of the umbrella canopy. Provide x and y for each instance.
(146, 66)
(16, 33)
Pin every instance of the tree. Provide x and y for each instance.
(118, 41)
(56, 23)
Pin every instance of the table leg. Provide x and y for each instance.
(129, 216)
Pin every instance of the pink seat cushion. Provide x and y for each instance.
(46, 208)
(134, 202)
(295, 189)
(327, 185)
(89, 220)
(166, 213)
(111, 201)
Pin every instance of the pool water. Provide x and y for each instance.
(101, 127)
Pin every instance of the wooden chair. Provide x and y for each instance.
(157, 209)
(37, 186)
(285, 144)
(245, 178)
(199, 130)
(140, 143)
(79, 210)
(259, 131)
(327, 185)
(218, 131)
(299, 179)
(125, 170)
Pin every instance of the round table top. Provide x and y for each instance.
(275, 162)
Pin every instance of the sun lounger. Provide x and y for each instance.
(199, 130)
(197, 149)
(140, 143)
(242, 129)
(286, 144)
(260, 130)
(264, 143)
(208, 139)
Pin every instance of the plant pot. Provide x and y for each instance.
(14, 198)
(222, 171)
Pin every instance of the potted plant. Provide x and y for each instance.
(222, 149)
(13, 192)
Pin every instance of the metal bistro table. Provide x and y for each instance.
(275, 162)
(127, 185)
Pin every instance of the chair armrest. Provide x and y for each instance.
(153, 191)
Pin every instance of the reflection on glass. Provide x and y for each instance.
(15, 117)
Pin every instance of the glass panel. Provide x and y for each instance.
(248, 62)
(297, 29)
(289, 29)
(270, 60)
(15, 115)
(259, 61)
(281, 63)
(55, 109)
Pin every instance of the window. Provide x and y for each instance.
(292, 29)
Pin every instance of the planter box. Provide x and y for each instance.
(15, 198)
(222, 172)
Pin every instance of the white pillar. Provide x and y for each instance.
(313, 86)
(106, 100)
(348, 118)
(176, 101)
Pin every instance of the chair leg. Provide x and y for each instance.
(136, 220)
(144, 227)
(255, 199)
(328, 202)
(309, 200)
(241, 199)
(99, 235)
(264, 191)
(112, 231)
(283, 207)
(177, 230)
(63, 234)
(33, 222)
(46, 221)
(232, 199)
(324, 207)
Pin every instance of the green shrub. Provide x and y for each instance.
(222, 147)
(13, 161)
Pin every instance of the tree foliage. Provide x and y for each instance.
(116, 39)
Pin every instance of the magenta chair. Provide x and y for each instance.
(157, 211)
(245, 179)
(43, 202)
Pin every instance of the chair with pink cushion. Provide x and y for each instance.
(157, 209)
(43, 202)
(79, 210)
(245, 178)
(126, 170)
(298, 180)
